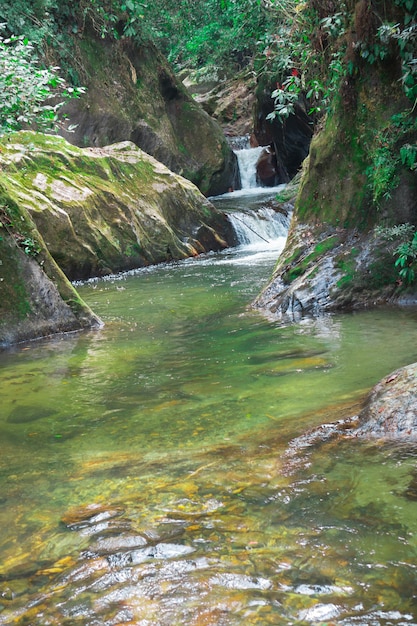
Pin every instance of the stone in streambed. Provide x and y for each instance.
(25, 414)
(391, 408)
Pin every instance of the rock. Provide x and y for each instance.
(269, 172)
(132, 94)
(354, 180)
(390, 411)
(32, 303)
(327, 269)
(231, 103)
(291, 138)
(103, 210)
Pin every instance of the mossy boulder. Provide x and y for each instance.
(103, 210)
(36, 299)
(132, 94)
(360, 175)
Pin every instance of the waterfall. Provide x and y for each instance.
(252, 210)
(247, 159)
(259, 227)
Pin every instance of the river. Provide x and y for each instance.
(149, 474)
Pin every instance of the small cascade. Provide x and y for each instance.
(252, 210)
(247, 159)
(260, 227)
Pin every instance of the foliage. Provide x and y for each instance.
(408, 155)
(388, 149)
(28, 91)
(328, 43)
(19, 230)
(406, 254)
(198, 33)
(191, 33)
(402, 240)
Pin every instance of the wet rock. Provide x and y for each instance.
(36, 300)
(25, 414)
(291, 140)
(239, 581)
(391, 408)
(327, 269)
(118, 543)
(90, 514)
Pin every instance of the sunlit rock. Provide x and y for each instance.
(103, 210)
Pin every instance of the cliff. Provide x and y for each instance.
(358, 190)
(132, 94)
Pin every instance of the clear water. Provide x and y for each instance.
(147, 476)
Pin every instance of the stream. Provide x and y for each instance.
(150, 472)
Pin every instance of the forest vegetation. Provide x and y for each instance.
(317, 52)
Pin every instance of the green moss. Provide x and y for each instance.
(382, 272)
(354, 162)
(319, 250)
(133, 250)
(347, 265)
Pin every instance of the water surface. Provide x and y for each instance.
(146, 471)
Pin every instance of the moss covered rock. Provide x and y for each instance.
(36, 299)
(132, 94)
(102, 210)
(360, 175)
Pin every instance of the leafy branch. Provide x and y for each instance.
(30, 95)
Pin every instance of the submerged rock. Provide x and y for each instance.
(103, 210)
(390, 411)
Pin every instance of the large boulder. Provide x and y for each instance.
(36, 299)
(391, 408)
(132, 94)
(103, 210)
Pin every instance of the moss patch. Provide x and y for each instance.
(302, 264)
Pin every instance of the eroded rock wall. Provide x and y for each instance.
(132, 94)
(354, 180)
(36, 299)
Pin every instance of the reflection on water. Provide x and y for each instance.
(144, 472)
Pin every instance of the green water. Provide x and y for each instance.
(147, 474)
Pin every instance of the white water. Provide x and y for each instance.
(251, 210)
(259, 228)
(247, 160)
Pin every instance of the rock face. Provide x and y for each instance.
(103, 210)
(354, 180)
(328, 269)
(291, 138)
(35, 298)
(230, 102)
(391, 409)
(132, 94)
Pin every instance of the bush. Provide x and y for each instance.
(30, 96)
